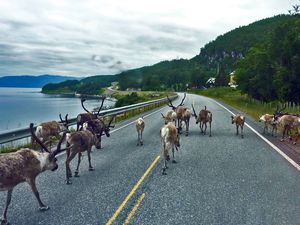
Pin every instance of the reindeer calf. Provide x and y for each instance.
(169, 139)
(204, 117)
(140, 125)
(268, 122)
(239, 121)
(24, 166)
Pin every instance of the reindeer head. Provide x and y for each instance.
(64, 123)
(51, 161)
(232, 119)
(108, 126)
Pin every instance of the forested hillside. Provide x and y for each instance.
(218, 56)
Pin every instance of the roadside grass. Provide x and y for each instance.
(243, 102)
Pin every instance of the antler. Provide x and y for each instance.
(36, 138)
(103, 98)
(284, 106)
(82, 101)
(182, 100)
(111, 122)
(58, 148)
(170, 105)
(195, 114)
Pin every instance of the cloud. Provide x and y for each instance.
(79, 38)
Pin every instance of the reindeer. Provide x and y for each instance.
(83, 140)
(169, 117)
(140, 125)
(169, 137)
(183, 114)
(268, 122)
(205, 116)
(45, 131)
(239, 121)
(287, 122)
(84, 117)
(24, 166)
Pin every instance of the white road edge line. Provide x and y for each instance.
(266, 140)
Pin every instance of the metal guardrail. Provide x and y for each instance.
(25, 132)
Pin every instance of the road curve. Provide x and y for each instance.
(221, 179)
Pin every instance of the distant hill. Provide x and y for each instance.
(91, 85)
(32, 81)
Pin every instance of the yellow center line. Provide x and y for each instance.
(136, 206)
(111, 220)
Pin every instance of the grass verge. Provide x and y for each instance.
(243, 102)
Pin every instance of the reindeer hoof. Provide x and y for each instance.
(142, 143)
(4, 222)
(91, 169)
(44, 208)
(174, 161)
(168, 158)
(210, 135)
(294, 143)
(164, 172)
(68, 182)
(76, 174)
(242, 136)
(281, 140)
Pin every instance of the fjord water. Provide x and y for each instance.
(21, 106)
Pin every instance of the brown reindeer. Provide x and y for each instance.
(239, 121)
(169, 137)
(170, 116)
(268, 122)
(84, 117)
(83, 140)
(287, 122)
(140, 126)
(45, 131)
(204, 117)
(183, 115)
(24, 166)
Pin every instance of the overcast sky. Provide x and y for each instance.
(89, 37)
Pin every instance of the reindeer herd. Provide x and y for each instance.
(288, 123)
(26, 164)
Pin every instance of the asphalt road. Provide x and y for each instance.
(221, 179)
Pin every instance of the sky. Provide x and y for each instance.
(102, 37)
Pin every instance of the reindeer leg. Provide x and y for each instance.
(37, 195)
(89, 158)
(173, 154)
(210, 129)
(237, 130)
(205, 125)
(68, 170)
(3, 219)
(242, 131)
(138, 140)
(187, 124)
(78, 163)
(141, 141)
